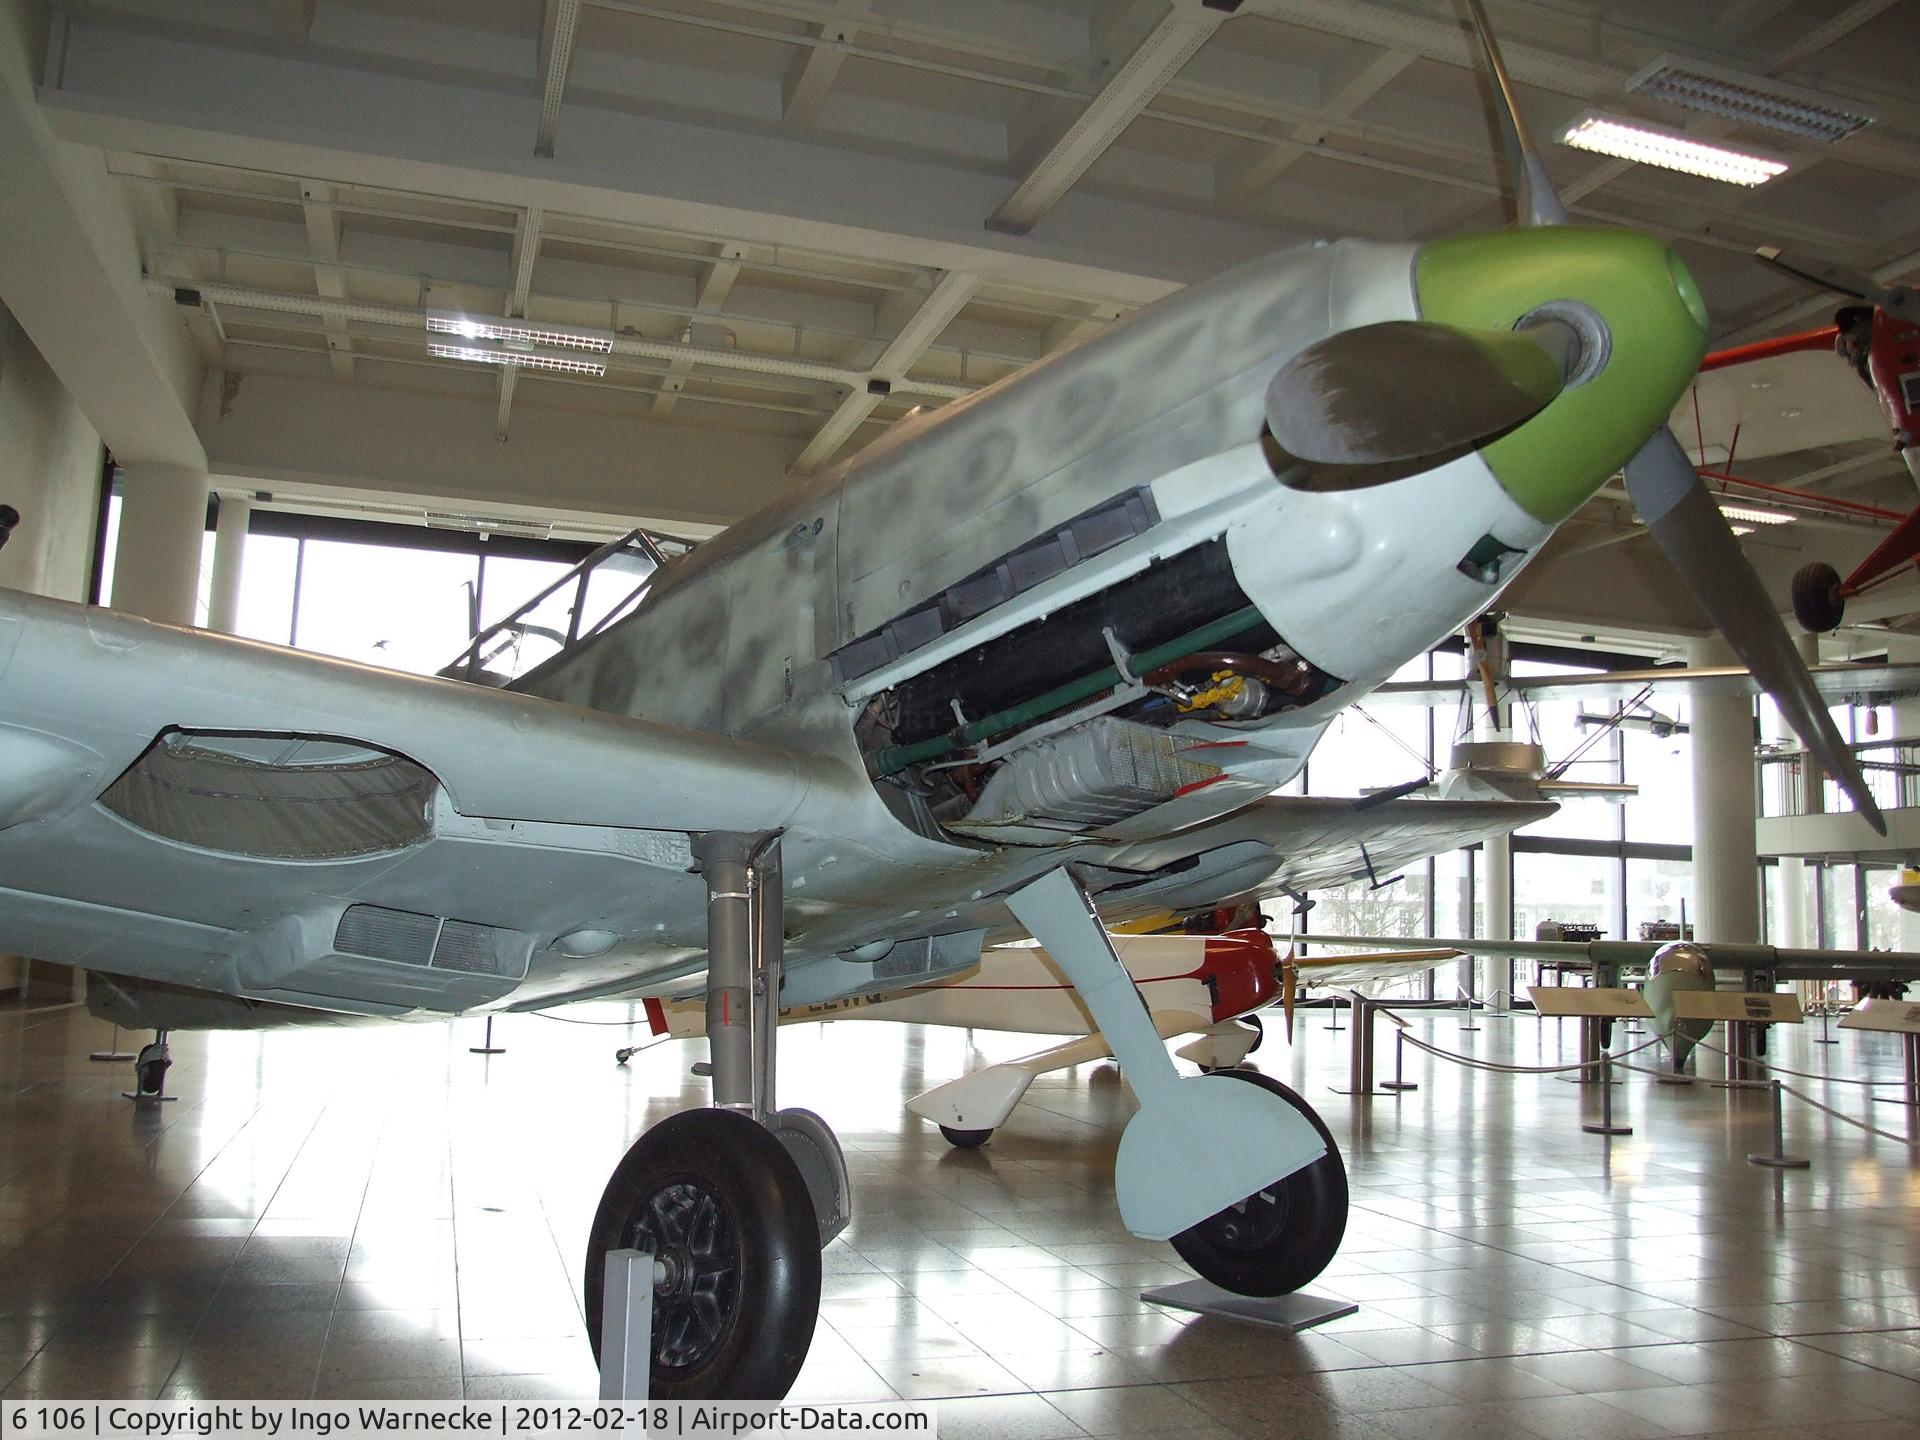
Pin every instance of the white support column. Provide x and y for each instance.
(1726, 886)
(163, 514)
(229, 559)
(1494, 875)
(1906, 726)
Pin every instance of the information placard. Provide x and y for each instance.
(1897, 1017)
(1756, 1007)
(1588, 1000)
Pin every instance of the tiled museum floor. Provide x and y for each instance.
(378, 1212)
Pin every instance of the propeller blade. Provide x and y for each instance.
(1680, 512)
(1897, 300)
(1403, 389)
(1539, 204)
(1290, 981)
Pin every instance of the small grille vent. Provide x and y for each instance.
(382, 934)
(400, 936)
(472, 949)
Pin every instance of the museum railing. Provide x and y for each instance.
(1790, 785)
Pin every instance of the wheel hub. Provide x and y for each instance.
(697, 1288)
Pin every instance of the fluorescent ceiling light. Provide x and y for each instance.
(1647, 144)
(571, 364)
(518, 332)
(1753, 98)
(1755, 515)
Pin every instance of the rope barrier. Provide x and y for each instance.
(1473, 1062)
(1857, 1124)
(1800, 1074)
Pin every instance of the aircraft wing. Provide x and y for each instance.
(197, 810)
(1345, 972)
(1781, 962)
(1308, 842)
(1838, 683)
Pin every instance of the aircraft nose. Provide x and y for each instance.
(1644, 330)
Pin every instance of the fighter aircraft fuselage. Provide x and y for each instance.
(989, 618)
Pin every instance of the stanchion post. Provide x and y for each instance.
(1779, 1159)
(488, 1047)
(1606, 1125)
(1334, 1026)
(1399, 1081)
(113, 1051)
(1826, 1025)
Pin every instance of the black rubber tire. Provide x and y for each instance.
(150, 1069)
(715, 1194)
(1816, 602)
(1279, 1240)
(966, 1139)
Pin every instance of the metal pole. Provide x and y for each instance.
(113, 1051)
(1606, 1125)
(1399, 1080)
(1333, 1025)
(487, 1047)
(1826, 1022)
(1779, 1159)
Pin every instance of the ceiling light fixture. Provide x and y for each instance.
(1646, 144)
(1755, 515)
(518, 332)
(1715, 90)
(531, 359)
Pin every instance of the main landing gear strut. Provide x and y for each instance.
(735, 1202)
(1233, 1167)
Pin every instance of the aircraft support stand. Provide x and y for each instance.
(626, 1325)
(1606, 1125)
(1359, 1048)
(1779, 1159)
(1296, 1312)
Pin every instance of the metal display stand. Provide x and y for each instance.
(626, 1325)
(1893, 1017)
(1360, 1047)
(1294, 1312)
(1779, 1159)
(1594, 1006)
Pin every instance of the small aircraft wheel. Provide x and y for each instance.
(965, 1139)
(150, 1069)
(714, 1196)
(1276, 1241)
(1816, 598)
(1259, 1029)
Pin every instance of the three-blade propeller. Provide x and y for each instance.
(1680, 510)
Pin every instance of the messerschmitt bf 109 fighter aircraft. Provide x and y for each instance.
(1025, 663)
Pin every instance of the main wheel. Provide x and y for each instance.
(1816, 598)
(715, 1197)
(1276, 1241)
